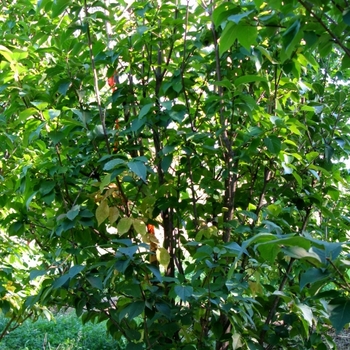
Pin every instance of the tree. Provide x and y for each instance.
(221, 125)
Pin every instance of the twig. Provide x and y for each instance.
(97, 91)
(308, 7)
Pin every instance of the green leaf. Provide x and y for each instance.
(51, 114)
(128, 251)
(267, 54)
(37, 273)
(139, 169)
(183, 292)
(40, 105)
(74, 270)
(237, 18)
(132, 310)
(124, 225)
(221, 12)
(290, 34)
(6, 53)
(58, 7)
(144, 110)
(291, 39)
(113, 164)
(273, 144)
(138, 124)
(346, 18)
(228, 37)
(313, 275)
(73, 213)
(29, 200)
(155, 272)
(298, 178)
(269, 252)
(307, 314)
(301, 253)
(340, 97)
(166, 162)
(95, 282)
(59, 282)
(311, 156)
(23, 115)
(132, 346)
(105, 182)
(345, 63)
(249, 79)
(340, 313)
(246, 35)
(63, 87)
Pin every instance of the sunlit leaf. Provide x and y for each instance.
(246, 35)
(228, 37)
(113, 214)
(248, 79)
(58, 7)
(139, 226)
(124, 225)
(163, 257)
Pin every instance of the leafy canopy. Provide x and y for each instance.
(177, 169)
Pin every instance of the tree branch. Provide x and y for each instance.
(97, 91)
(308, 7)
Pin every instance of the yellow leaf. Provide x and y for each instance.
(102, 212)
(140, 227)
(163, 257)
(149, 238)
(255, 287)
(113, 214)
(124, 225)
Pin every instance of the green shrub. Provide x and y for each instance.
(66, 332)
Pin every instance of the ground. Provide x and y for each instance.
(342, 339)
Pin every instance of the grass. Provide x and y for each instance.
(66, 332)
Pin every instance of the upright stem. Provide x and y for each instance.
(94, 71)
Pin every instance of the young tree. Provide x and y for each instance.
(181, 166)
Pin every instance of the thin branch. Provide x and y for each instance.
(341, 275)
(267, 178)
(308, 7)
(97, 91)
(193, 192)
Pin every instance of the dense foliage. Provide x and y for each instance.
(177, 169)
(65, 333)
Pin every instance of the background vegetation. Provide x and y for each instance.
(65, 333)
(177, 170)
